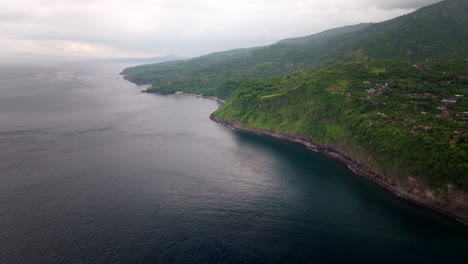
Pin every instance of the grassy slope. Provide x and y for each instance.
(387, 129)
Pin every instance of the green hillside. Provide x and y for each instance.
(207, 74)
(391, 96)
(435, 31)
(388, 115)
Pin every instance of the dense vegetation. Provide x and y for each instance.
(387, 114)
(434, 31)
(389, 95)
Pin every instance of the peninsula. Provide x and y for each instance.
(387, 99)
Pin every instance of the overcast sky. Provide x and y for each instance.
(146, 28)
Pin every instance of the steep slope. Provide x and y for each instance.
(435, 31)
(401, 125)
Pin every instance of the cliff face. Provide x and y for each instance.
(453, 203)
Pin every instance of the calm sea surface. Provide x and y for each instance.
(94, 171)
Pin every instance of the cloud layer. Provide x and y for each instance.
(108, 28)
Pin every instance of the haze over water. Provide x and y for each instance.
(94, 171)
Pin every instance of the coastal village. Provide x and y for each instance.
(418, 118)
(424, 109)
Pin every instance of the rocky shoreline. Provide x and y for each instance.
(455, 206)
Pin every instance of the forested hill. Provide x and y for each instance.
(394, 117)
(207, 73)
(435, 31)
(390, 97)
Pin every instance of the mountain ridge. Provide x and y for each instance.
(413, 37)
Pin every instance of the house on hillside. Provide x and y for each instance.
(451, 100)
(371, 91)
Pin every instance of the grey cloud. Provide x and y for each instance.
(185, 27)
(403, 4)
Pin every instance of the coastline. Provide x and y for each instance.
(411, 189)
(187, 94)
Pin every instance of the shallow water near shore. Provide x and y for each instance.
(94, 171)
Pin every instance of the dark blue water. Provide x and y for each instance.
(93, 171)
